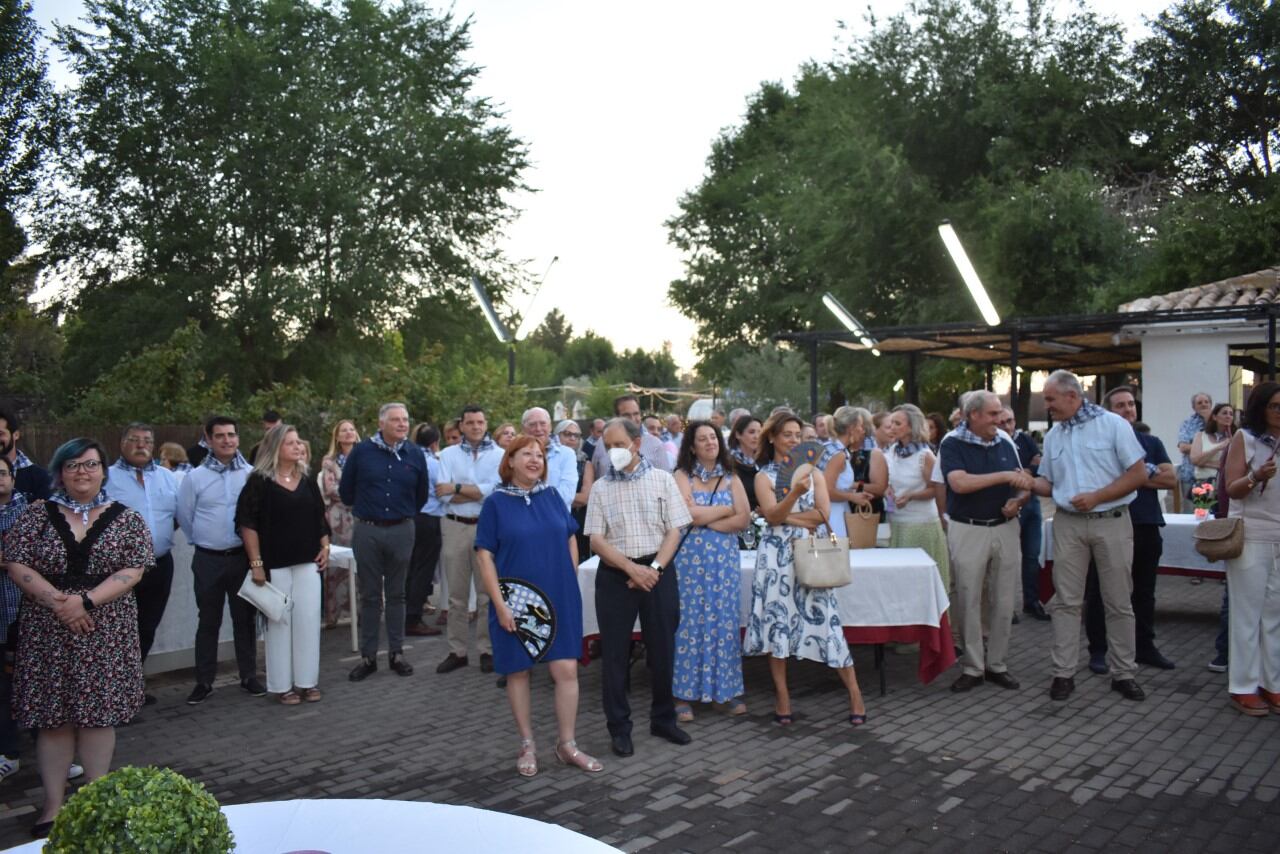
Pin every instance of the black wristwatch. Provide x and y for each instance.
(457, 489)
(657, 566)
(88, 603)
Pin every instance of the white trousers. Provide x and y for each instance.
(293, 644)
(1253, 595)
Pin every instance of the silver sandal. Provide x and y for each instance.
(575, 757)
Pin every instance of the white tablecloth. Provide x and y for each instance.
(360, 826)
(1179, 548)
(890, 587)
(177, 630)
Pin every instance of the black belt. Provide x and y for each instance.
(465, 520)
(643, 561)
(382, 523)
(981, 523)
(1114, 513)
(238, 550)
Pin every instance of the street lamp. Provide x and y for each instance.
(850, 322)
(495, 324)
(970, 275)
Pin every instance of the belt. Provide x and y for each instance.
(238, 550)
(982, 523)
(382, 523)
(644, 560)
(465, 520)
(1113, 513)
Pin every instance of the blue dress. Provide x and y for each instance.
(708, 650)
(529, 539)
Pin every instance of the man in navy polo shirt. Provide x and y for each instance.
(384, 483)
(1148, 545)
(986, 490)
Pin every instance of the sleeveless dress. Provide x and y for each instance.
(787, 620)
(708, 664)
(917, 525)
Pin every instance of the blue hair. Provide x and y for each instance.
(70, 450)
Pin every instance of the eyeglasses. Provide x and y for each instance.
(82, 465)
(1273, 407)
(571, 435)
(6, 474)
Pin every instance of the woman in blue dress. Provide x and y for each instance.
(708, 665)
(788, 620)
(525, 534)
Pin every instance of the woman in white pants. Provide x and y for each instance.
(281, 518)
(1253, 578)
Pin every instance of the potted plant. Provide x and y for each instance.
(1205, 497)
(141, 809)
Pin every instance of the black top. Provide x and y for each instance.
(289, 523)
(860, 464)
(959, 455)
(747, 477)
(1145, 508)
(33, 482)
(1028, 450)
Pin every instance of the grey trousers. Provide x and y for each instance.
(382, 560)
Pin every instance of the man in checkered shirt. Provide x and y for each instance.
(634, 517)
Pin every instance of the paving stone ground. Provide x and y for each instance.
(991, 770)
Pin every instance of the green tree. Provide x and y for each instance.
(553, 333)
(767, 377)
(588, 355)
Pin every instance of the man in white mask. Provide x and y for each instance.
(634, 517)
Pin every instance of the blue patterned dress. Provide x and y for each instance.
(787, 620)
(708, 649)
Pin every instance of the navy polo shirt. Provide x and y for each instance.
(1028, 450)
(378, 486)
(1145, 508)
(959, 455)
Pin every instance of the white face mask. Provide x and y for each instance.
(620, 457)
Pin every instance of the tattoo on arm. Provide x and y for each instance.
(26, 578)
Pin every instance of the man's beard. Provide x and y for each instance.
(6, 448)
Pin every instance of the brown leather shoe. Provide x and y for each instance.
(1251, 705)
(966, 682)
(1271, 698)
(422, 630)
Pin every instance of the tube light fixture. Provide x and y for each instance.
(898, 386)
(970, 275)
(489, 314)
(850, 322)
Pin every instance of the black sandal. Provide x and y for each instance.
(784, 720)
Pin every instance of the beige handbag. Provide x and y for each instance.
(822, 562)
(863, 527)
(1220, 539)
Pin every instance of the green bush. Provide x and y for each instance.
(151, 810)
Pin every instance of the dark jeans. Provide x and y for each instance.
(152, 593)
(382, 557)
(217, 581)
(616, 609)
(1032, 535)
(422, 566)
(1147, 548)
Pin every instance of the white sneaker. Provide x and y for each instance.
(74, 771)
(8, 766)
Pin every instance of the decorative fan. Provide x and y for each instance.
(534, 616)
(805, 453)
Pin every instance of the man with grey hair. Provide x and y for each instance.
(384, 482)
(562, 464)
(986, 489)
(1092, 467)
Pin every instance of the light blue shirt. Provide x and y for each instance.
(1088, 457)
(562, 472)
(434, 506)
(207, 506)
(460, 464)
(156, 498)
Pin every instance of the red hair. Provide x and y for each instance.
(521, 441)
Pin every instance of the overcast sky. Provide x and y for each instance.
(619, 104)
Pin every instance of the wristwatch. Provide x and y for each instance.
(88, 603)
(457, 489)
(657, 567)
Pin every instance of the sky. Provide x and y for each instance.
(619, 104)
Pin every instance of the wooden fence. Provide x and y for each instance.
(39, 441)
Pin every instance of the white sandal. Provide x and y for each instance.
(576, 757)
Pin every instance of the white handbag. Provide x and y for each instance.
(274, 604)
(821, 562)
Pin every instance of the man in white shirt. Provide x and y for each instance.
(562, 464)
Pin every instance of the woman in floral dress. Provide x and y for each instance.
(788, 620)
(708, 666)
(344, 438)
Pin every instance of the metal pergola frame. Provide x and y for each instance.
(1089, 344)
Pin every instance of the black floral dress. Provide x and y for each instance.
(92, 680)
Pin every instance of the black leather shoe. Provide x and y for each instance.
(149, 699)
(622, 745)
(1153, 658)
(1003, 679)
(966, 682)
(486, 662)
(399, 665)
(199, 694)
(671, 733)
(451, 663)
(1129, 689)
(1061, 688)
(1037, 611)
(363, 669)
(40, 830)
(1098, 663)
(253, 687)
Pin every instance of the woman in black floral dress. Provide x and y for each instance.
(78, 673)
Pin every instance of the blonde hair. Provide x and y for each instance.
(172, 452)
(333, 436)
(267, 462)
(916, 421)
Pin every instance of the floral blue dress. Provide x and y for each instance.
(787, 620)
(708, 649)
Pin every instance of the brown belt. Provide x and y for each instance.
(465, 520)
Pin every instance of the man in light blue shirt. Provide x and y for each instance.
(1092, 466)
(140, 484)
(562, 464)
(207, 515)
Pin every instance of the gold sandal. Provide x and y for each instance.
(312, 695)
(577, 758)
(527, 758)
(290, 698)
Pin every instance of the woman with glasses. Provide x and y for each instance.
(78, 673)
(569, 434)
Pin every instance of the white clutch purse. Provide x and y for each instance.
(267, 598)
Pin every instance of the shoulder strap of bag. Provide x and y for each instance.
(689, 530)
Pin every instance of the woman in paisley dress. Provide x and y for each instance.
(788, 620)
(338, 515)
(708, 666)
(78, 673)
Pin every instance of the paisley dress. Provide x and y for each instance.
(788, 620)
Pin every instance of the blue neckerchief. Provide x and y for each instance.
(485, 444)
(512, 489)
(701, 473)
(62, 499)
(340, 459)
(123, 465)
(380, 442)
(21, 461)
(1086, 413)
(964, 434)
(740, 456)
(236, 462)
(182, 467)
(614, 474)
(908, 449)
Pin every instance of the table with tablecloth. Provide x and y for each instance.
(896, 596)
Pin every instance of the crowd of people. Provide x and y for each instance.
(498, 521)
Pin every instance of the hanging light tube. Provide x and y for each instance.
(970, 275)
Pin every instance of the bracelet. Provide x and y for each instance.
(255, 564)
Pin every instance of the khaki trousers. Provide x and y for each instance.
(1109, 542)
(459, 557)
(985, 560)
